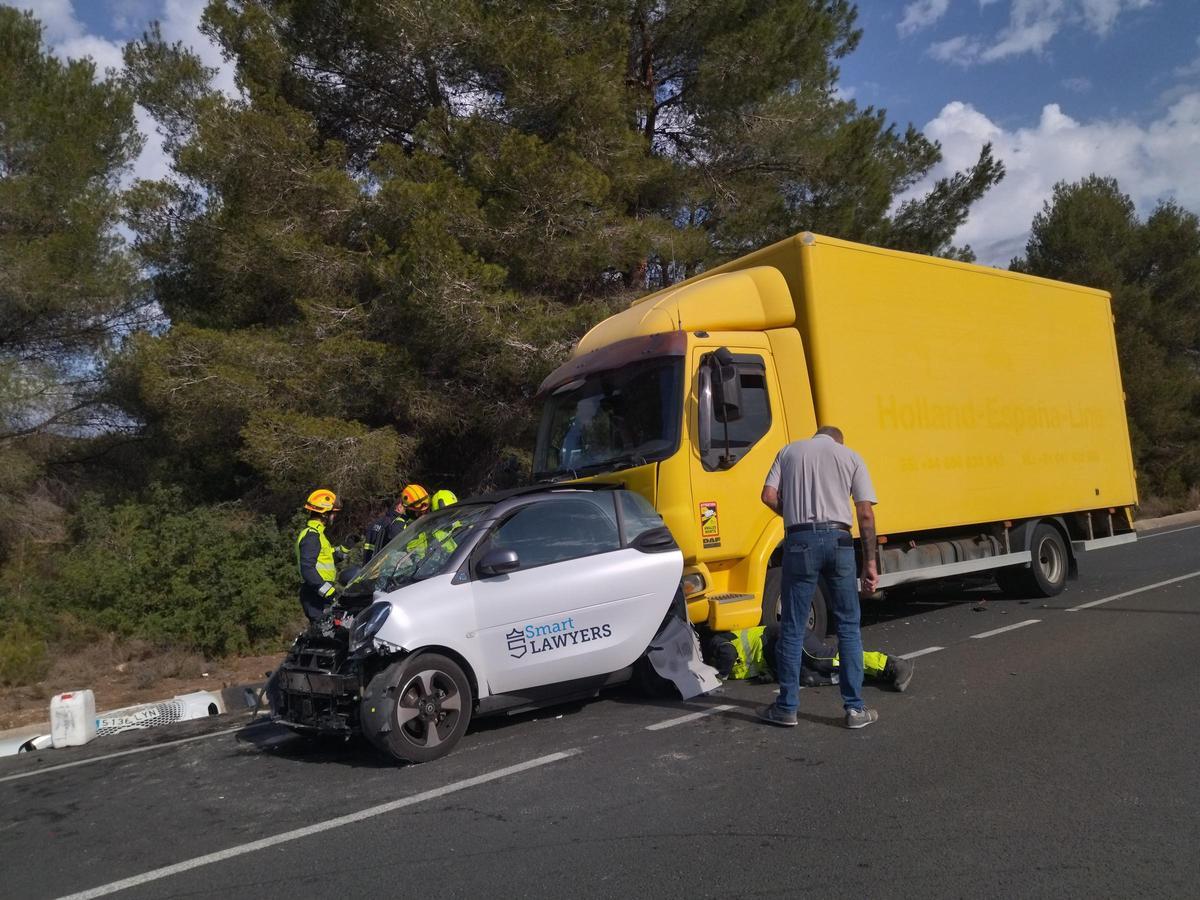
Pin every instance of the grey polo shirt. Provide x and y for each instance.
(815, 479)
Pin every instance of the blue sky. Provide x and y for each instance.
(1062, 88)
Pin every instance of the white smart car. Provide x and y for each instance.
(501, 603)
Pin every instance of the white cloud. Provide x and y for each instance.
(961, 50)
(1151, 162)
(921, 14)
(1032, 25)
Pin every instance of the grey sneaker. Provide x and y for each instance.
(860, 718)
(777, 716)
(902, 673)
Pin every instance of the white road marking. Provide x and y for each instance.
(1013, 627)
(690, 717)
(917, 653)
(317, 828)
(1140, 590)
(1153, 534)
(146, 749)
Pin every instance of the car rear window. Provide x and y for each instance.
(638, 515)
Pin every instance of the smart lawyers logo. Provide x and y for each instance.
(534, 639)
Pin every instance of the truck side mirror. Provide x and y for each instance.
(726, 387)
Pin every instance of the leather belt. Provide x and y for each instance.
(817, 526)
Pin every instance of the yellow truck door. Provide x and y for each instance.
(727, 477)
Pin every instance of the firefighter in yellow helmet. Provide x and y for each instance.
(315, 556)
(412, 503)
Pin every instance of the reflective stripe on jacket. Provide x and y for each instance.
(750, 662)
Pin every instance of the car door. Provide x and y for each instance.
(584, 600)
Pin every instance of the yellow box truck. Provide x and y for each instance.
(987, 405)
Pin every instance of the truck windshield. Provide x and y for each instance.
(611, 420)
(422, 550)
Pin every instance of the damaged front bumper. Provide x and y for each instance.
(318, 687)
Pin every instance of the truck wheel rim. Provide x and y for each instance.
(1050, 560)
(429, 708)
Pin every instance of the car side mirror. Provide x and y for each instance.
(498, 562)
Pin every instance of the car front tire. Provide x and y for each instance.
(418, 708)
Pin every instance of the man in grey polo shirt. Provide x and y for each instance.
(810, 485)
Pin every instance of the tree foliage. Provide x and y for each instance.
(1089, 233)
(67, 287)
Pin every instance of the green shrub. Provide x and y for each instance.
(215, 579)
(23, 657)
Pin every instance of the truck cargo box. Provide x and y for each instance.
(974, 394)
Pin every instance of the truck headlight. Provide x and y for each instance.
(368, 625)
(693, 584)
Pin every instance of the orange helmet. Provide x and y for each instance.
(415, 497)
(322, 500)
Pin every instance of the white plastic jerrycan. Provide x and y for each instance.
(72, 718)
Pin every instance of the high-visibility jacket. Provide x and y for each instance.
(751, 662)
(315, 559)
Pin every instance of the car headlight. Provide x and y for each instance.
(368, 625)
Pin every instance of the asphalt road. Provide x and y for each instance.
(1054, 757)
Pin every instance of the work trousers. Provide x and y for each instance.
(828, 557)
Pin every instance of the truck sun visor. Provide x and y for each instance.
(614, 356)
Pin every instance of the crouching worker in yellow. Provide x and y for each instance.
(315, 556)
(750, 654)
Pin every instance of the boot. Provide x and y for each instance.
(898, 672)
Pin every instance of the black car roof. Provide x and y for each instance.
(549, 487)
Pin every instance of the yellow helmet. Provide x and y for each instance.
(322, 500)
(442, 499)
(415, 497)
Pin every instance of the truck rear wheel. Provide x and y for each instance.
(416, 710)
(818, 613)
(1046, 575)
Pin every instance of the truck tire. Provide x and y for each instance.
(818, 613)
(1046, 576)
(417, 709)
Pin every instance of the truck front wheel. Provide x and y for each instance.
(818, 613)
(417, 709)
(1047, 572)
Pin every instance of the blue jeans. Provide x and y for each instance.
(807, 557)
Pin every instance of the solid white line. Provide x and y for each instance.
(317, 828)
(995, 631)
(1153, 534)
(1148, 587)
(917, 653)
(146, 749)
(690, 717)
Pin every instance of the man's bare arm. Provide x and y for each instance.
(866, 533)
(770, 496)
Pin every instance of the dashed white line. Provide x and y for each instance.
(146, 749)
(317, 828)
(690, 717)
(1013, 627)
(917, 653)
(1140, 590)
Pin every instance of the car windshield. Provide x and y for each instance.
(422, 550)
(611, 420)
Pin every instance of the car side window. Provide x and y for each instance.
(557, 530)
(637, 515)
(754, 423)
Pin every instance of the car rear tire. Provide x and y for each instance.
(1046, 575)
(818, 613)
(417, 709)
